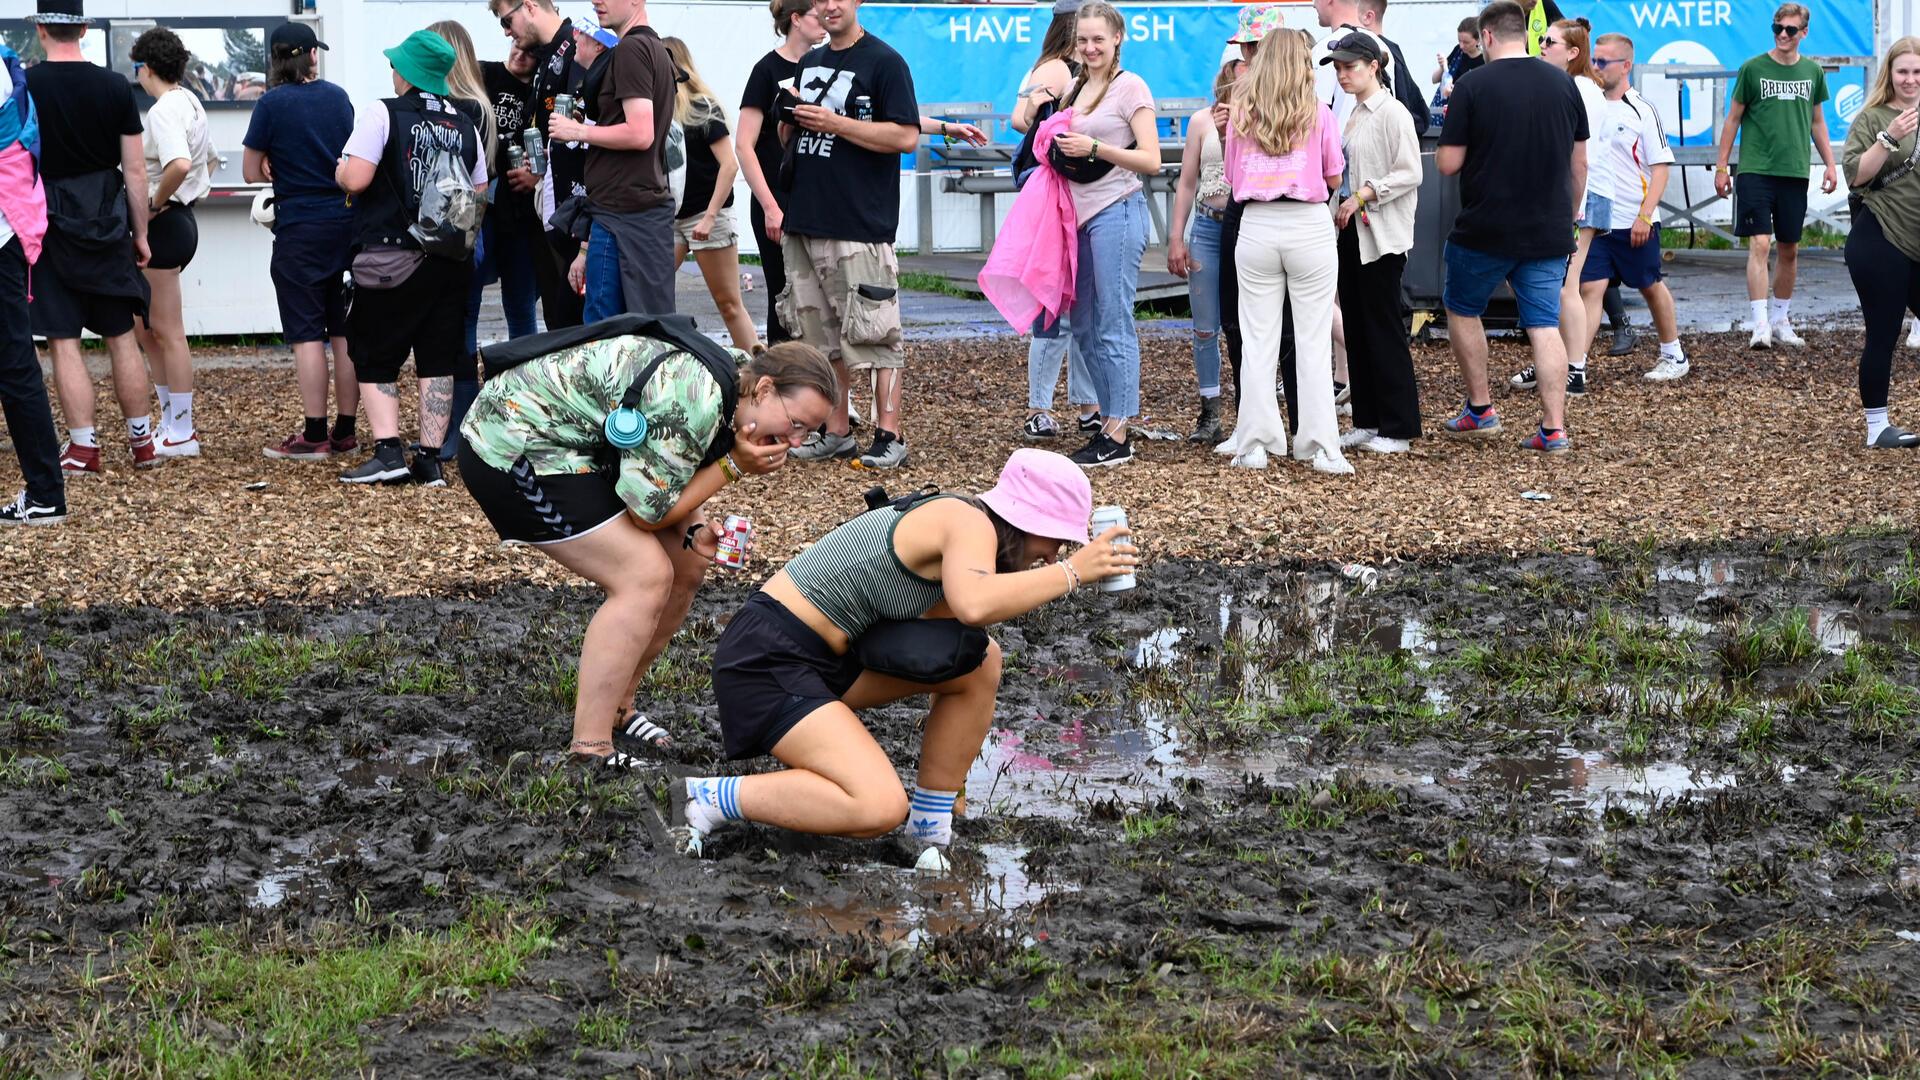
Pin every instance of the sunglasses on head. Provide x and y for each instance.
(1788, 29)
(506, 21)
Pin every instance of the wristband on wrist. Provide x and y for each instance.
(730, 469)
(1073, 576)
(693, 530)
(1648, 218)
(1095, 152)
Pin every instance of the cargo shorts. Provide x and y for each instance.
(843, 297)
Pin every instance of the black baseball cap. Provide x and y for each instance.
(1355, 46)
(296, 37)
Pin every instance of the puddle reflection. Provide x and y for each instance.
(1592, 778)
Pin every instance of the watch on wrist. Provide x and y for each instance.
(1887, 140)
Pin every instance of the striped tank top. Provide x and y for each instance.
(854, 577)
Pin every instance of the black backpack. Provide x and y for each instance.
(676, 330)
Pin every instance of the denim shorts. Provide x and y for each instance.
(1473, 275)
(1599, 216)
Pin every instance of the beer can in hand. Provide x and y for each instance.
(563, 106)
(736, 536)
(1104, 518)
(536, 151)
(516, 156)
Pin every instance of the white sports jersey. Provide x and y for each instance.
(1636, 143)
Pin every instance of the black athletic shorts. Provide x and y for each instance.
(1773, 206)
(172, 238)
(59, 312)
(529, 509)
(425, 315)
(310, 261)
(770, 671)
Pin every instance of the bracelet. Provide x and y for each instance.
(1094, 153)
(730, 469)
(693, 530)
(1648, 218)
(1073, 576)
(1720, 168)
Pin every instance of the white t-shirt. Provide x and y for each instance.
(1599, 150)
(369, 139)
(1636, 142)
(176, 127)
(1326, 81)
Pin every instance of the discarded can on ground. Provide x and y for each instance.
(516, 156)
(1104, 518)
(1362, 575)
(736, 536)
(536, 151)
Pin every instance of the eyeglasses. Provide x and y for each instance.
(1548, 43)
(1603, 63)
(1788, 30)
(506, 21)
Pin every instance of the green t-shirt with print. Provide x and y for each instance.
(1776, 131)
(1896, 205)
(551, 411)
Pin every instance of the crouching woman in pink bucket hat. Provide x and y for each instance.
(884, 607)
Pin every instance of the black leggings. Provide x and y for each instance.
(1889, 286)
(773, 266)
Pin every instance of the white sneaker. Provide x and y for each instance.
(1783, 335)
(1668, 370)
(1381, 444)
(1334, 463)
(1355, 437)
(171, 445)
(1254, 458)
(1230, 446)
(1343, 409)
(1762, 337)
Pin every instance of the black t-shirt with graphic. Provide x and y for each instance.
(842, 191)
(703, 168)
(511, 100)
(763, 86)
(1516, 186)
(84, 109)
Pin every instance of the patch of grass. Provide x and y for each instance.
(1876, 707)
(30, 723)
(676, 676)
(422, 677)
(217, 1003)
(922, 281)
(1906, 584)
(524, 789)
(520, 1047)
(603, 1029)
(559, 687)
(1885, 792)
(1140, 827)
(1785, 638)
(19, 773)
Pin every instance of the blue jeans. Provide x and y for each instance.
(1473, 275)
(1203, 293)
(604, 298)
(1049, 346)
(504, 254)
(1111, 245)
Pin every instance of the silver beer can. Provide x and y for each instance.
(1104, 518)
(536, 151)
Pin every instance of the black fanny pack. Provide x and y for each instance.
(926, 651)
(1079, 170)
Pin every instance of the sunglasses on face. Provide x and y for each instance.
(506, 21)
(1603, 63)
(1787, 29)
(1548, 43)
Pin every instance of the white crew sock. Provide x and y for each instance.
(1578, 363)
(1671, 350)
(82, 436)
(1759, 312)
(1777, 309)
(180, 415)
(1876, 423)
(166, 400)
(930, 816)
(139, 427)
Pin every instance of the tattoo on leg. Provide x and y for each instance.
(436, 409)
(387, 389)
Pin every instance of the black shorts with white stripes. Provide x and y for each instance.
(526, 508)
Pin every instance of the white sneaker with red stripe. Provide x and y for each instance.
(175, 445)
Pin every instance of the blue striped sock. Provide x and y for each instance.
(930, 816)
(712, 800)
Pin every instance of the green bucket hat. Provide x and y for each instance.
(423, 60)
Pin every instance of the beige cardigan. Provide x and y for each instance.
(1383, 151)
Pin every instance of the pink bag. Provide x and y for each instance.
(1030, 270)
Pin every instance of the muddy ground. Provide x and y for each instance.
(1646, 813)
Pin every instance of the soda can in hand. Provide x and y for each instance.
(1104, 518)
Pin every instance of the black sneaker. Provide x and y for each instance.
(25, 511)
(1524, 379)
(1040, 426)
(1103, 451)
(388, 465)
(426, 470)
(1576, 382)
(1090, 424)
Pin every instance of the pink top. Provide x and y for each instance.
(1030, 271)
(1112, 123)
(1300, 174)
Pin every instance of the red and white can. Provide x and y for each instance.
(736, 536)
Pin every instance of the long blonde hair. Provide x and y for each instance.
(694, 103)
(464, 81)
(1883, 79)
(1100, 9)
(1274, 103)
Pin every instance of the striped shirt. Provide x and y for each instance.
(854, 576)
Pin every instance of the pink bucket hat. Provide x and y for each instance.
(1256, 22)
(1043, 494)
